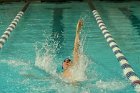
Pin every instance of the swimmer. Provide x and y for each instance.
(68, 63)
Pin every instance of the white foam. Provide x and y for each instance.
(21, 65)
(111, 85)
(16, 63)
(46, 63)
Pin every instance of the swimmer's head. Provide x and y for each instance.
(66, 64)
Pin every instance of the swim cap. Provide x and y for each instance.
(67, 59)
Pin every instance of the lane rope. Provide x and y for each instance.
(127, 69)
(12, 26)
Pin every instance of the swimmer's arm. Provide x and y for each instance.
(77, 41)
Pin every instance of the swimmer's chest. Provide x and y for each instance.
(67, 74)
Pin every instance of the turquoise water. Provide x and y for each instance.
(44, 37)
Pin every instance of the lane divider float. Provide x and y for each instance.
(12, 26)
(127, 69)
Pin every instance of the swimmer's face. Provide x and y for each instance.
(66, 64)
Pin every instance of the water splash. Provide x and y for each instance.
(78, 70)
(46, 58)
(45, 55)
(137, 88)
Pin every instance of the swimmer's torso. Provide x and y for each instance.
(66, 73)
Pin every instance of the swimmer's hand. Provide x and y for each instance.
(79, 25)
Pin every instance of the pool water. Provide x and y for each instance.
(31, 59)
